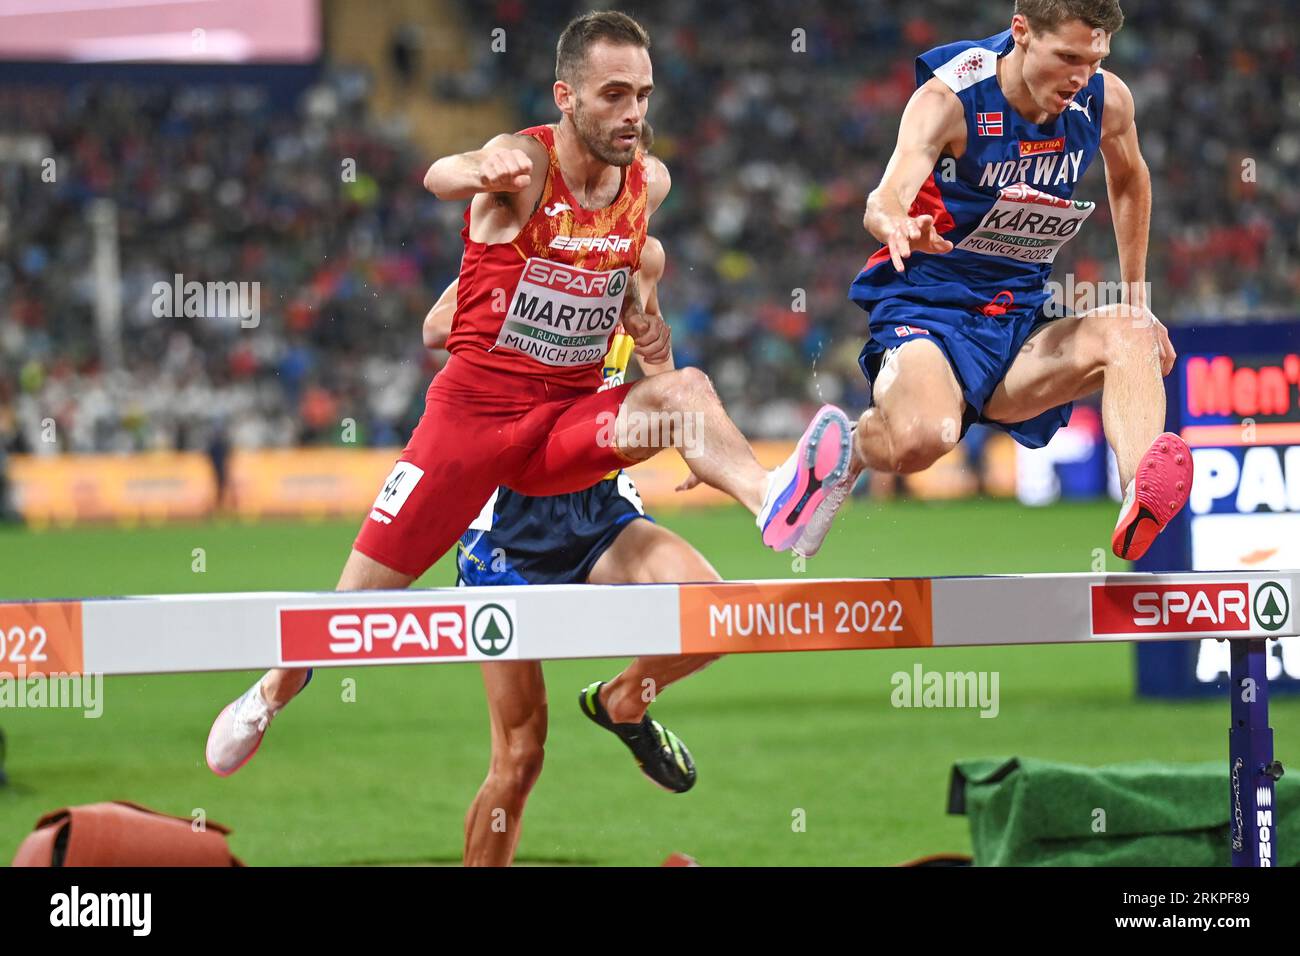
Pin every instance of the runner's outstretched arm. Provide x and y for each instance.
(932, 121)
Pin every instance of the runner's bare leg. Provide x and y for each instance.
(693, 421)
(647, 553)
(360, 573)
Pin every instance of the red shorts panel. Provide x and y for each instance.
(480, 430)
(577, 449)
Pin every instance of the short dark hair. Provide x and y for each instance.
(1045, 16)
(583, 31)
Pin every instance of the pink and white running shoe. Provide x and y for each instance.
(794, 490)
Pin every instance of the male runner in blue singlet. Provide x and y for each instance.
(974, 204)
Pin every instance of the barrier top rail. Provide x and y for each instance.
(253, 630)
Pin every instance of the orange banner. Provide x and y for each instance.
(342, 482)
(63, 489)
(40, 638)
(308, 482)
(795, 616)
(317, 483)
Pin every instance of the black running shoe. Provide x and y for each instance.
(659, 752)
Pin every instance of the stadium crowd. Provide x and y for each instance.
(774, 118)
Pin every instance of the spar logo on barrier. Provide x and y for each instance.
(1221, 607)
(389, 633)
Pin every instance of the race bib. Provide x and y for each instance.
(1028, 225)
(562, 315)
(627, 488)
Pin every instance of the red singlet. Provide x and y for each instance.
(517, 403)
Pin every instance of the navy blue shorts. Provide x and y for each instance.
(980, 348)
(552, 540)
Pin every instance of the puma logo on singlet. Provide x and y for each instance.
(1085, 110)
(558, 208)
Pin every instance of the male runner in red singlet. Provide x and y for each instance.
(600, 535)
(553, 235)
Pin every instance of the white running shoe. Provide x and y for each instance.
(238, 730)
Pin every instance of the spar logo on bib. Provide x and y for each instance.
(1027, 225)
(562, 315)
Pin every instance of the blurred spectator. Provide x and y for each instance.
(404, 51)
(323, 211)
(775, 120)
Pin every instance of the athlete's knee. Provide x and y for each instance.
(666, 411)
(1115, 335)
(683, 390)
(670, 566)
(695, 381)
(918, 444)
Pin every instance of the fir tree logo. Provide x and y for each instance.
(1272, 606)
(493, 629)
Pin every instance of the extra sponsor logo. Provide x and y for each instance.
(1218, 607)
(1038, 147)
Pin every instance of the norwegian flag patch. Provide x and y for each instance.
(988, 124)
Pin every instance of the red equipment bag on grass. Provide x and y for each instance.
(123, 834)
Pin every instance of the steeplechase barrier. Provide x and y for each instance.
(215, 632)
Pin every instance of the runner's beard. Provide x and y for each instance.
(597, 140)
